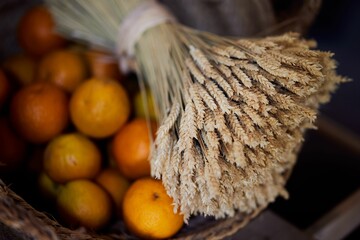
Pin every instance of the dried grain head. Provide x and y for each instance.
(246, 106)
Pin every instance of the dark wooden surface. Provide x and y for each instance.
(269, 226)
(334, 225)
(340, 221)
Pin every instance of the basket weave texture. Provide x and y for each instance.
(19, 220)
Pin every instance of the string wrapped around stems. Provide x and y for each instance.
(232, 111)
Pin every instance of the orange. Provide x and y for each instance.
(39, 112)
(71, 156)
(21, 67)
(48, 188)
(144, 108)
(36, 33)
(115, 184)
(12, 147)
(4, 88)
(148, 210)
(131, 148)
(64, 68)
(99, 107)
(83, 203)
(103, 65)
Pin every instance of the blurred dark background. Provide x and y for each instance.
(337, 29)
(327, 170)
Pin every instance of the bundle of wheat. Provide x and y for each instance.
(232, 111)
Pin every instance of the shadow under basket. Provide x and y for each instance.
(20, 220)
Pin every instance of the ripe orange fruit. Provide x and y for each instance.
(64, 68)
(21, 67)
(4, 88)
(141, 110)
(48, 188)
(12, 147)
(71, 156)
(99, 107)
(36, 33)
(148, 210)
(83, 203)
(103, 65)
(39, 112)
(115, 184)
(131, 148)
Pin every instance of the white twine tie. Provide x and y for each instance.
(145, 16)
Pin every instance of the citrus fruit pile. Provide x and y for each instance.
(69, 116)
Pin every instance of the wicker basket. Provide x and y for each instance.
(20, 220)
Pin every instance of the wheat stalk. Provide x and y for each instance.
(232, 111)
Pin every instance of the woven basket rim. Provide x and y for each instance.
(20, 216)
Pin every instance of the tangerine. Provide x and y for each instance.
(64, 68)
(36, 33)
(103, 65)
(48, 188)
(71, 156)
(21, 68)
(39, 112)
(131, 148)
(84, 203)
(99, 107)
(145, 107)
(148, 210)
(115, 184)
